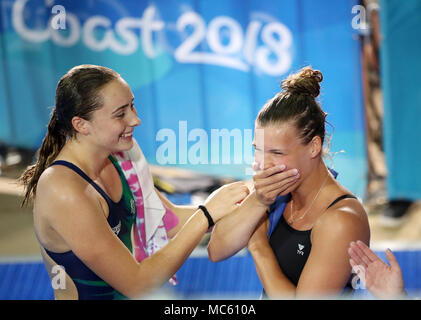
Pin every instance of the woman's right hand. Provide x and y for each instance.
(225, 199)
(274, 181)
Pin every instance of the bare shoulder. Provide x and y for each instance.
(61, 197)
(346, 210)
(58, 180)
(347, 219)
(60, 188)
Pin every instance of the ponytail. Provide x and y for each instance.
(52, 143)
(77, 94)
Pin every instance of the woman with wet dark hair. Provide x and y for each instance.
(84, 207)
(300, 236)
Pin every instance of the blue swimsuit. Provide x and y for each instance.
(121, 217)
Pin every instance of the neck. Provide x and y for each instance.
(90, 159)
(310, 187)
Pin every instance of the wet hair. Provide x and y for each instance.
(297, 103)
(77, 94)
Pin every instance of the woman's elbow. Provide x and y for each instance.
(214, 252)
(213, 255)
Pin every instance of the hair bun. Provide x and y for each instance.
(305, 81)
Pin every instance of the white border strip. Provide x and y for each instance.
(202, 251)
(400, 245)
(197, 252)
(20, 259)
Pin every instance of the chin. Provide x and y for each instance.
(124, 146)
(295, 186)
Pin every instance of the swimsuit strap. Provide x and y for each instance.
(83, 175)
(345, 196)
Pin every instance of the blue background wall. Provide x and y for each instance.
(210, 63)
(401, 67)
(240, 51)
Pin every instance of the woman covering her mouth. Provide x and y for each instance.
(299, 238)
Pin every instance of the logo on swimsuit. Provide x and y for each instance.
(117, 228)
(300, 249)
(132, 206)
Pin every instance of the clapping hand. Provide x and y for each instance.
(382, 280)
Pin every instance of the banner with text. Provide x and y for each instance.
(200, 71)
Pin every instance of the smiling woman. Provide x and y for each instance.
(117, 101)
(87, 195)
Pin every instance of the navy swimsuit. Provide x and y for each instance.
(121, 218)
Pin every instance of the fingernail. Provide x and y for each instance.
(294, 171)
(282, 167)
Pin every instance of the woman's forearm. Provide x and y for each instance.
(155, 270)
(274, 281)
(183, 213)
(233, 232)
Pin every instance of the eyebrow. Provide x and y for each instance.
(276, 150)
(270, 150)
(122, 107)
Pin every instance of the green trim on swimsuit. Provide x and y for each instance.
(129, 204)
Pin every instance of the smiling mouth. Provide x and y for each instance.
(127, 135)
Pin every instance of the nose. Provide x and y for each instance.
(258, 161)
(134, 119)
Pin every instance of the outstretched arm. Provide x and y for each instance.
(183, 213)
(78, 218)
(233, 232)
(382, 280)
